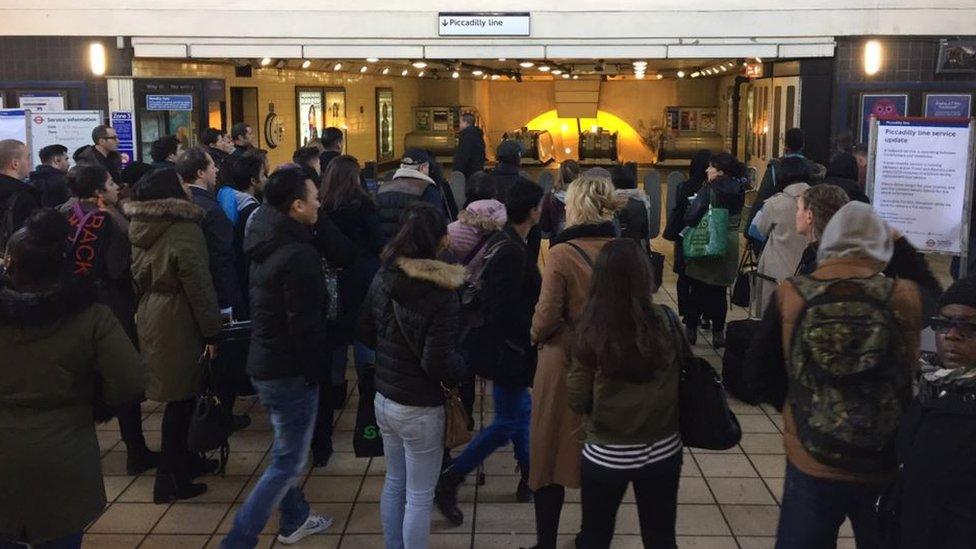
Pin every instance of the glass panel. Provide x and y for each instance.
(777, 120)
(791, 121)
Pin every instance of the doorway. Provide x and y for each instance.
(244, 108)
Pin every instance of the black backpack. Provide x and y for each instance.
(473, 314)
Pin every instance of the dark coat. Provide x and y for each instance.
(418, 353)
(850, 186)
(112, 163)
(686, 189)
(502, 350)
(505, 175)
(17, 201)
(50, 182)
(360, 223)
(469, 157)
(54, 346)
(553, 217)
(326, 157)
(633, 220)
(407, 187)
(177, 312)
(723, 192)
(287, 299)
(219, 232)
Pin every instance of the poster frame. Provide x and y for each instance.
(861, 122)
(345, 113)
(299, 122)
(925, 102)
(379, 133)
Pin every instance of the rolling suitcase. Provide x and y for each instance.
(738, 335)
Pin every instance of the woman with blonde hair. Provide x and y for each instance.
(556, 439)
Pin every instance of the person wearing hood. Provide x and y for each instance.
(17, 198)
(410, 183)
(683, 196)
(245, 180)
(775, 225)
(725, 187)
(824, 483)
(509, 155)
(56, 342)
(843, 172)
(933, 495)
(554, 205)
(477, 222)
(49, 176)
(469, 157)
(104, 151)
(287, 352)
(411, 316)
(634, 216)
(177, 318)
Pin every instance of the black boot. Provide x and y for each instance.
(692, 334)
(718, 338)
(199, 466)
(240, 421)
(445, 496)
(322, 456)
(140, 460)
(340, 394)
(522, 493)
(168, 489)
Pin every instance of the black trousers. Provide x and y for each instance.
(683, 289)
(548, 506)
(176, 457)
(130, 427)
(708, 301)
(656, 491)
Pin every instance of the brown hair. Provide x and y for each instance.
(823, 201)
(340, 183)
(569, 171)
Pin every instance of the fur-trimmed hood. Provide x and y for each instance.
(445, 275)
(151, 218)
(485, 215)
(42, 310)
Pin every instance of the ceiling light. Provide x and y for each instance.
(495, 77)
(337, 67)
(745, 63)
(759, 60)
(695, 74)
(724, 68)
(419, 65)
(266, 61)
(405, 72)
(96, 57)
(872, 57)
(306, 64)
(421, 74)
(575, 77)
(484, 77)
(386, 70)
(567, 150)
(639, 76)
(502, 59)
(557, 72)
(455, 74)
(640, 63)
(371, 60)
(477, 72)
(544, 68)
(364, 68)
(526, 64)
(566, 75)
(660, 76)
(681, 74)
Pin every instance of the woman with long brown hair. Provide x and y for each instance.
(624, 379)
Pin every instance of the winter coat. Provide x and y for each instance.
(505, 175)
(50, 182)
(177, 311)
(553, 217)
(102, 250)
(360, 223)
(769, 355)
(936, 489)
(635, 216)
(219, 233)
(326, 157)
(287, 299)
(408, 186)
(767, 187)
(470, 233)
(850, 186)
(502, 350)
(112, 163)
(784, 246)
(54, 346)
(554, 435)
(676, 222)
(412, 318)
(724, 192)
(244, 206)
(469, 157)
(17, 201)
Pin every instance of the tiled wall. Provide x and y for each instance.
(278, 87)
(53, 58)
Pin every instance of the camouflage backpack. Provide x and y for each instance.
(847, 381)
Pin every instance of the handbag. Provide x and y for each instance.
(709, 237)
(212, 420)
(704, 415)
(456, 418)
(657, 265)
(741, 293)
(367, 440)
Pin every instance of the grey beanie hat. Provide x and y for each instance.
(856, 231)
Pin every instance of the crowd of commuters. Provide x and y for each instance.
(118, 283)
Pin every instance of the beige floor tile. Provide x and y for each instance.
(139, 491)
(750, 491)
(497, 489)
(265, 541)
(762, 443)
(343, 464)
(742, 409)
(250, 441)
(846, 531)
(507, 518)
(769, 466)
(689, 468)
(345, 423)
(372, 489)
(725, 465)
(752, 520)
(753, 542)
(328, 489)
(501, 463)
(108, 440)
(192, 518)
(243, 463)
(694, 490)
(377, 466)
(733, 450)
(366, 520)
(706, 542)
(113, 464)
(491, 541)
(221, 489)
(846, 543)
(776, 487)
(153, 422)
(110, 425)
(324, 540)
(700, 520)
(339, 511)
(115, 486)
(128, 518)
(757, 424)
(169, 541)
(111, 541)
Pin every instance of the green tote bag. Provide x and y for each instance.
(709, 238)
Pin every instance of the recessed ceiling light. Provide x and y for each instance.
(484, 77)
(419, 64)
(640, 63)
(575, 77)
(371, 59)
(695, 74)
(266, 61)
(495, 77)
(567, 150)
(420, 74)
(557, 72)
(455, 74)
(544, 68)
(337, 67)
(681, 74)
(477, 72)
(364, 68)
(502, 59)
(306, 64)
(386, 70)
(526, 64)
(565, 75)
(405, 72)
(660, 76)
(724, 68)
(639, 76)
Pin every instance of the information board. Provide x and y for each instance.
(169, 102)
(13, 125)
(41, 102)
(72, 129)
(948, 105)
(124, 126)
(920, 180)
(483, 24)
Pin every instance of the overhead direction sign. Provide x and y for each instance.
(483, 24)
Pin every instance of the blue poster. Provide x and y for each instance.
(948, 105)
(125, 128)
(885, 105)
(169, 102)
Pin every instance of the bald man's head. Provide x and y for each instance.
(14, 159)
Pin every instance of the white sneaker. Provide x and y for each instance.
(313, 525)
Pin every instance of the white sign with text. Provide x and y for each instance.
(483, 24)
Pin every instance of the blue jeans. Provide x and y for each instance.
(71, 541)
(362, 355)
(814, 509)
(413, 442)
(292, 404)
(513, 407)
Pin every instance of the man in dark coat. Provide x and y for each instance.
(842, 172)
(48, 178)
(410, 183)
(104, 151)
(241, 134)
(164, 152)
(218, 145)
(509, 155)
(332, 138)
(469, 157)
(17, 198)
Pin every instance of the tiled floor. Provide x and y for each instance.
(726, 499)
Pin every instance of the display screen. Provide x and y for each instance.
(309, 115)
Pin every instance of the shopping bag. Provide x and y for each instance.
(366, 441)
(708, 238)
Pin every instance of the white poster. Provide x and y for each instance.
(42, 102)
(920, 177)
(13, 124)
(72, 129)
(309, 115)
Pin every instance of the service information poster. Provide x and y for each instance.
(309, 115)
(920, 176)
(947, 105)
(880, 106)
(69, 128)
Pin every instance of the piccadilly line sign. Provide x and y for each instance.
(483, 24)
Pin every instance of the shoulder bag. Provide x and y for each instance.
(212, 422)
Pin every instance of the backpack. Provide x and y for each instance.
(473, 303)
(847, 383)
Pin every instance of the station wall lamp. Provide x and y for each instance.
(96, 58)
(872, 57)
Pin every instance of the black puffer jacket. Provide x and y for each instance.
(418, 353)
(470, 154)
(287, 299)
(50, 182)
(219, 232)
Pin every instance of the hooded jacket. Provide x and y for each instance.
(470, 154)
(17, 201)
(683, 195)
(177, 311)
(287, 299)
(843, 172)
(50, 182)
(635, 216)
(219, 233)
(470, 233)
(784, 246)
(412, 318)
(408, 186)
(54, 346)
